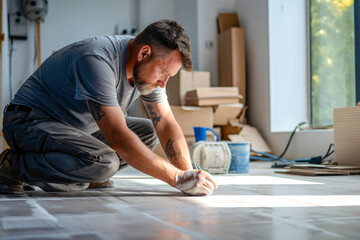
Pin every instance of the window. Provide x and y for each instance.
(332, 58)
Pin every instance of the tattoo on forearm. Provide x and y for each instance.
(155, 119)
(172, 153)
(95, 109)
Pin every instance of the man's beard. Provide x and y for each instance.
(139, 82)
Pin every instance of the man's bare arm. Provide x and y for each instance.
(127, 144)
(170, 134)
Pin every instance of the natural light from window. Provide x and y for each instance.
(332, 58)
(228, 180)
(268, 201)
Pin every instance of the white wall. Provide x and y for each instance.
(186, 15)
(199, 20)
(183, 11)
(67, 21)
(254, 18)
(72, 20)
(5, 59)
(288, 64)
(153, 10)
(207, 14)
(22, 54)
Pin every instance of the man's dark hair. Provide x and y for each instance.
(165, 35)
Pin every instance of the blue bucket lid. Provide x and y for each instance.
(238, 143)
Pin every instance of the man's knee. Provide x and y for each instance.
(108, 166)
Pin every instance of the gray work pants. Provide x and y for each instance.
(55, 156)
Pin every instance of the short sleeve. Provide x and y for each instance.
(95, 79)
(158, 95)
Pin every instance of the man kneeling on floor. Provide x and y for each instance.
(66, 125)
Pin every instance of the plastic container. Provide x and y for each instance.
(200, 133)
(213, 157)
(240, 157)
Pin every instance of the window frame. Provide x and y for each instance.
(357, 49)
(308, 60)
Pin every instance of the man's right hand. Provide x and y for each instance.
(195, 182)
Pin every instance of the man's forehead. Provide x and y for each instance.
(166, 70)
(172, 63)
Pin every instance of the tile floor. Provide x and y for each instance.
(258, 205)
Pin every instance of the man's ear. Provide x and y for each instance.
(144, 52)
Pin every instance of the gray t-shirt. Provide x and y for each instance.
(91, 69)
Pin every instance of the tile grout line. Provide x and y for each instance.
(190, 233)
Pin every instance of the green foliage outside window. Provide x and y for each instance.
(332, 58)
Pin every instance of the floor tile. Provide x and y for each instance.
(258, 205)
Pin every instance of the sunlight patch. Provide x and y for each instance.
(242, 201)
(232, 180)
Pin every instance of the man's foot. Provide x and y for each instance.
(62, 187)
(28, 187)
(105, 184)
(8, 182)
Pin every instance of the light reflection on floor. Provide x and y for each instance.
(236, 180)
(258, 205)
(249, 201)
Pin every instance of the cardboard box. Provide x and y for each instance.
(252, 135)
(210, 96)
(229, 130)
(232, 60)
(226, 21)
(189, 117)
(347, 136)
(183, 82)
(224, 112)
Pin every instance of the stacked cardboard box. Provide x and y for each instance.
(196, 86)
(183, 82)
(232, 72)
(347, 136)
(212, 96)
(231, 53)
(217, 106)
(189, 117)
(225, 112)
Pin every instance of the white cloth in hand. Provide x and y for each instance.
(195, 182)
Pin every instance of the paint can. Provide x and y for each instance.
(240, 157)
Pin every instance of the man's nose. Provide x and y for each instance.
(162, 82)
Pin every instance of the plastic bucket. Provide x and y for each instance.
(240, 157)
